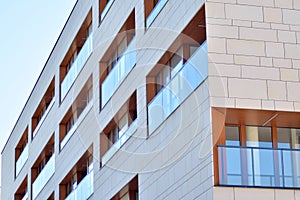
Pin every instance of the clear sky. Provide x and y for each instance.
(28, 32)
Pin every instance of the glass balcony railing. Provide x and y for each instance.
(106, 9)
(43, 117)
(76, 67)
(187, 79)
(118, 144)
(259, 167)
(25, 197)
(74, 127)
(84, 189)
(22, 160)
(124, 65)
(158, 7)
(43, 177)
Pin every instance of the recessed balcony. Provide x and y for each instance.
(78, 184)
(77, 66)
(187, 79)
(119, 143)
(43, 177)
(259, 167)
(21, 153)
(76, 113)
(22, 160)
(84, 189)
(119, 71)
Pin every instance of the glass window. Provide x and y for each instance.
(122, 46)
(258, 136)
(288, 138)
(232, 135)
(193, 49)
(113, 136)
(158, 82)
(90, 29)
(123, 125)
(89, 95)
(176, 62)
(90, 164)
(166, 75)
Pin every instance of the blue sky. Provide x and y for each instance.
(29, 30)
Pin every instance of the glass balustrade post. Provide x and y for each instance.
(253, 174)
(282, 166)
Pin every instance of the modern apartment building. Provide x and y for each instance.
(164, 99)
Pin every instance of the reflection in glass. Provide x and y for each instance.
(188, 78)
(258, 136)
(265, 167)
(118, 73)
(289, 138)
(232, 136)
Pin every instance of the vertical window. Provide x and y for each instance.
(176, 62)
(288, 138)
(258, 136)
(232, 136)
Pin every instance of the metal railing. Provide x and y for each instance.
(259, 167)
(77, 66)
(22, 160)
(119, 71)
(188, 78)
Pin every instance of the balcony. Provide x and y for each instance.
(22, 160)
(106, 9)
(187, 79)
(259, 167)
(158, 7)
(40, 122)
(76, 67)
(81, 116)
(43, 177)
(118, 73)
(118, 144)
(84, 189)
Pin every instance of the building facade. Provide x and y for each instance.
(164, 99)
